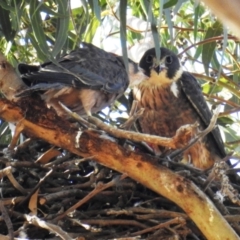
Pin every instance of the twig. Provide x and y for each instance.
(7, 220)
(161, 225)
(109, 222)
(37, 186)
(133, 116)
(99, 188)
(182, 137)
(139, 137)
(49, 226)
(8, 172)
(199, 135)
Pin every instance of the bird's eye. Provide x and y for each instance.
(149, 59)
(169, 60)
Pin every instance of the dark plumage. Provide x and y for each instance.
(86, 80)
(173, 98)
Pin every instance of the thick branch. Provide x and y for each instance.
(228, 12)
(142, 168)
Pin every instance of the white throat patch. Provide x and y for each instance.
(174, 89)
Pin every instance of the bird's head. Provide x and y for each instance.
(166, 70)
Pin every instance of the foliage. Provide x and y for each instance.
(33, 32)
(38, 31)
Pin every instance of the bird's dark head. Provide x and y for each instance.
(167, 69)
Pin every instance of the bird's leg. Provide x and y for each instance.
(77, 117)
(133, 116)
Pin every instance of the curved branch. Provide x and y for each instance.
(141, 167)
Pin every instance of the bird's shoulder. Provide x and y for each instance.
(193, 92)
(84, 67)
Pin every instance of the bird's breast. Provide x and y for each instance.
(165, 109)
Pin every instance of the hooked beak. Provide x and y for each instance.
(158, 68)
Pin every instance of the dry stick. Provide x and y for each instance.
(201, 134)
(49, 226)
(140, 167)
(8, 172)
(37, 186)
(99, 188)
(161, 225)
(173, 143)
(212, 174)
(12, 201)
(7, 220)
(104, 222)
(133, 116)
(162, 141)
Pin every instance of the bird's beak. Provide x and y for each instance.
(158, 68)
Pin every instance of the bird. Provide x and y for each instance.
(86, 80)
(171, 98)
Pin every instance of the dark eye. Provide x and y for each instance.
(149, 59)
(168, 60)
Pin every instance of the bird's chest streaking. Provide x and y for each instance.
(166, 108)
(172, 98)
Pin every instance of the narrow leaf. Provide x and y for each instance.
(170, 4)
(152, 21)
(62, 26)
(5, 23)
(209, 48)
(123, 31)
(169, 23)
(196, 16)
(96, 8)
(39, 35)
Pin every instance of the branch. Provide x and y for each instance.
(181, 139)
(138, 166)
(228, 12)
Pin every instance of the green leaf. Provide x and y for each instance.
(123, 31)
(5, 23)
(230, 134)
(169, 22)
(209, 48)
(152, 21)
(223, 121)
(196, 19)
(6, 6)
(91, 29)
(62, 26)
(96, 8)
(39, 35)
(5, 133)
(41, 55)
(170, 4)
(211, 88)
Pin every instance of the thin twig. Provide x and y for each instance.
(200, 135)
(99, 188)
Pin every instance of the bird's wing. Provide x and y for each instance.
(193, 92)
(86, 67)
(39, 87)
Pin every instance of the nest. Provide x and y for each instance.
(50, 193)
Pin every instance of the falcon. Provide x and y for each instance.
(171, 98)
(86, 80)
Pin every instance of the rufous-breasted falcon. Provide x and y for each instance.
(86, 80)
(172, 98)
